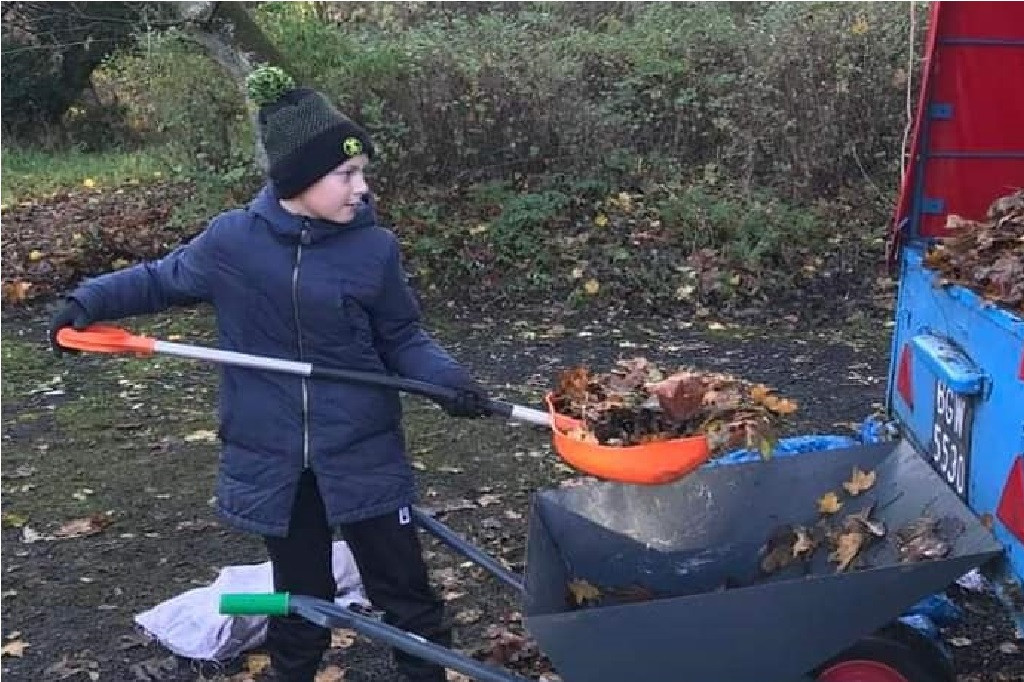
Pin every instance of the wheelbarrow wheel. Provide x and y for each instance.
(892, 655)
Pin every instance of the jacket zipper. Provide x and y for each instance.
(303, 239)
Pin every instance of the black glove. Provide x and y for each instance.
(70, 313)
(470, 401)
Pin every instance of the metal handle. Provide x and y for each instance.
(499, 408)
(466, 549)
(949, 364)
(330, 615)
(434, 392)
(106, 339)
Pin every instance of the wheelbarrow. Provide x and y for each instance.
(695, 547)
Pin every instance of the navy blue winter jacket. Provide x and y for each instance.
(300, 289)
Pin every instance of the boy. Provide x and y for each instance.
(304, 273)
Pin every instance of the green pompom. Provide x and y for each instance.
(267, 83)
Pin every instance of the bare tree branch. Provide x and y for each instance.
(228, 34)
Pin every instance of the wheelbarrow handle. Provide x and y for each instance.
(106, 339)
(330, 615)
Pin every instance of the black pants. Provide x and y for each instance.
(390, 561)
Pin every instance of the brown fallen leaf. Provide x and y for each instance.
(16, 291)
(573, 384)
(777, 553)
(331, 673)
(15, 648)
(759, 393)
(847, 547)
(782, 406)
(987, 521)
(342, 638)
(726, 398)
(859, 481)
(829, 503)
(582, 592)
(255, 664)
(582, 434)
(88, 525)
(680, 395)
(505, 647)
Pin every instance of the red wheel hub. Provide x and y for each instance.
(861, 671)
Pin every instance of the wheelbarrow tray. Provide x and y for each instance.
(696, 545)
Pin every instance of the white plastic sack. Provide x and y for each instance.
(190, 625)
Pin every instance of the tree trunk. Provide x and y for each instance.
(51, 50)
(232, 39)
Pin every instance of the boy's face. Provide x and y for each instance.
(337, 195)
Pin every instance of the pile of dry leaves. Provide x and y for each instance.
(636, 403)
(790, 544)
(922, 539)
(987, 257)
(49, 246)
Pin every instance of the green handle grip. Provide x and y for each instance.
(254, 604)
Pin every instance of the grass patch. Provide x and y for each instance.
(26, 365)
(29, 173)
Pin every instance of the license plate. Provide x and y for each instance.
(951, 437)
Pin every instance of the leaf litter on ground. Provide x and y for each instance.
(508, 646)
(50, 245)
(636, 403)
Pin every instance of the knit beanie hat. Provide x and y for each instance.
(305, 136)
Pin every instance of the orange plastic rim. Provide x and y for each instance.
(103, 339)
(649, 464)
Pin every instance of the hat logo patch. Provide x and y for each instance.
(352, 146)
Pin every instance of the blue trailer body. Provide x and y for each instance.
(956, 373)
(961, 396)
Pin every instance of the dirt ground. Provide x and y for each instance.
(130, 440)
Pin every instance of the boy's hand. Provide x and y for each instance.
(470, 402)
(70, 313)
